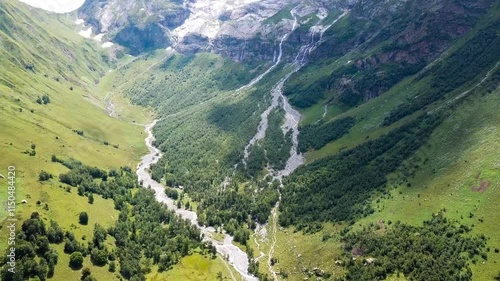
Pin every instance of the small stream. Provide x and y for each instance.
(276, 93)
(292, 120)
(292, 116)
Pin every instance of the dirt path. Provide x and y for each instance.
(274, 229)
(465, 93)
(228, 268)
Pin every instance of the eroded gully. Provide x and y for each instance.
(292, 119)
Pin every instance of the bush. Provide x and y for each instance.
(55, 233)
(112, 266)
(85, 273)
(45, 99)
(83, 218)
(44, 176)
(76, 260)
(98, 257)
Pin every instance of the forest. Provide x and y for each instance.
(440, 249)
(338, 187)
(139, 231)
(316, 135)
(273, 151)
(33, 253)
(203, 132)
(238, 210)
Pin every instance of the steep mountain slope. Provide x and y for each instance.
(379, 49)
(243, 30)
(138, 26)
(41, 56)
(333, 188)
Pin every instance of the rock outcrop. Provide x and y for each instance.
(137, 25)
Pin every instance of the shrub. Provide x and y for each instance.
(85, 273)
(83, 218)
(112, 266)
(98, 257)
(76, 260)
(44, 176)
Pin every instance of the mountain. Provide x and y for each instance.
(328, 140)
(242, 30)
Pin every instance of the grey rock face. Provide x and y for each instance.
(239, 29)
(137, 25)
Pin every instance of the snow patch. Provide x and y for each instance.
(107, 44)
(98, 37)
(79, 21)
(205, 14)
(86, 33)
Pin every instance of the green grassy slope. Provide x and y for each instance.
(42, 54)
(458, 172)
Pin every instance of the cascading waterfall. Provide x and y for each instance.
(278, 59)
(275, 93)
(307, 49)
(292, 116)
(292, 119)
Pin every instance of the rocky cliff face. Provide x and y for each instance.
(388, 40)
(137, 25)
(240, 29)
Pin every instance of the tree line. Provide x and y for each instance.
(476, 56)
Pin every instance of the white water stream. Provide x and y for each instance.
(292, 119)
(237, 258)
(292, 116)
(276, 93)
